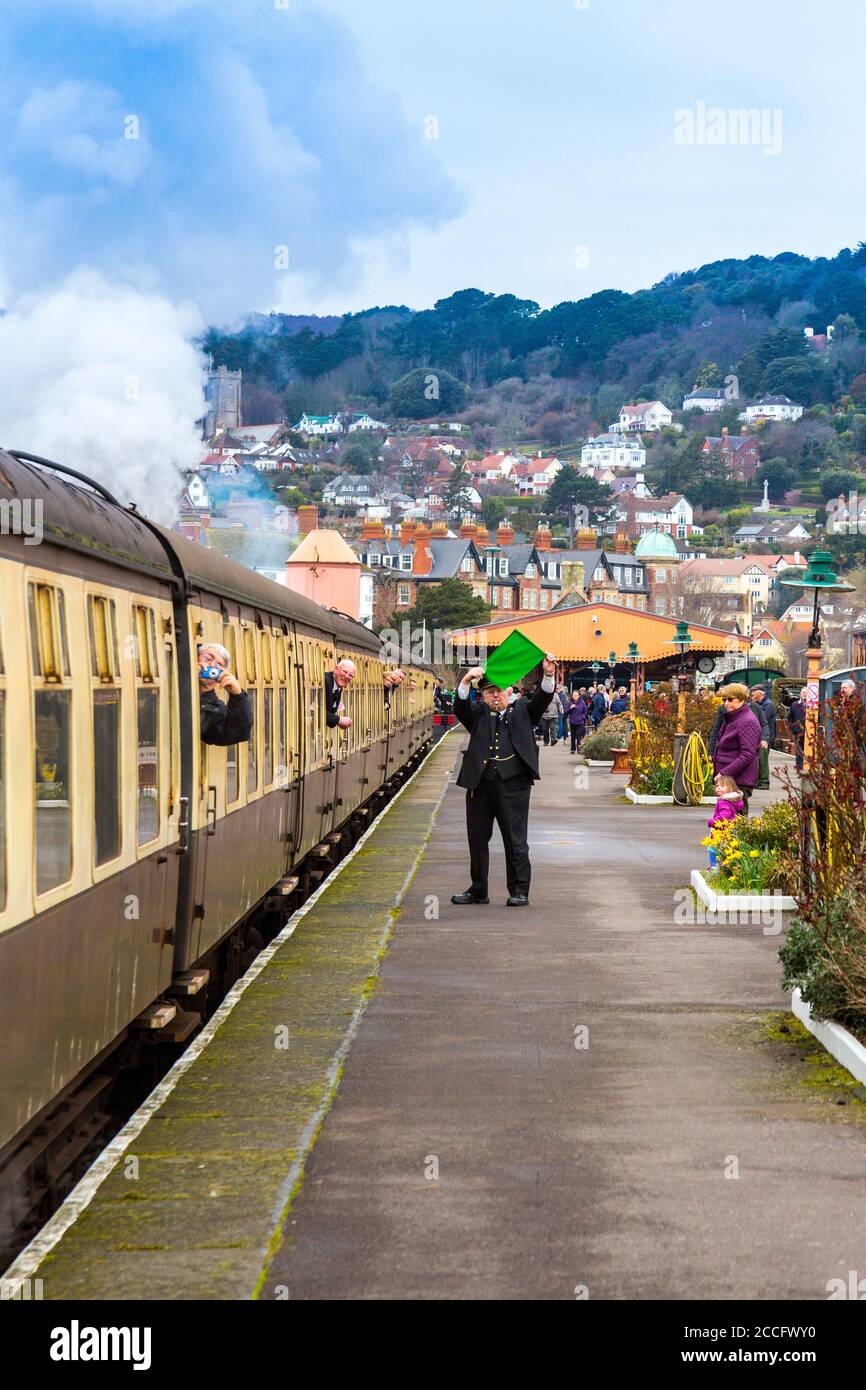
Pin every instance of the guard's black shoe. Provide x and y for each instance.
(518, 900)
(467, 899)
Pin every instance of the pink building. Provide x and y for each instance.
(325, 569)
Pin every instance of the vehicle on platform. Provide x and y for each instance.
(141, 870)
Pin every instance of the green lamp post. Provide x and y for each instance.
(820, 578)
(632, 658)
(682, 640)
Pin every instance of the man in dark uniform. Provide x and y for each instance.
(498, 770)
(222, 723)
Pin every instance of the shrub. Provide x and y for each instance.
(825, 950)
(600, 745)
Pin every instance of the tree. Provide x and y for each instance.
(552, 427)
(426, 392)
(570, 489)
(493, 511)
(708, 375)
(780, 477)
(839, 481)
(455, 496)
(796, 377)
(355, 458)
(443, 607)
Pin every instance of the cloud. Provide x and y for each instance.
(202, 150)
(104, 378)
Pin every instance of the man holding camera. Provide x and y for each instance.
(222, 723)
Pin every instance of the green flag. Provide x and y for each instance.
(513, 660)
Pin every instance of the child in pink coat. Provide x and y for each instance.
(729, 804)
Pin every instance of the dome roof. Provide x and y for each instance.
(656, 545)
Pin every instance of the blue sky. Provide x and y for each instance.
(261, 127)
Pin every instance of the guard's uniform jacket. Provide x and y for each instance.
(498, 770)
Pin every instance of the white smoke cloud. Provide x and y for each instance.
(106, 379)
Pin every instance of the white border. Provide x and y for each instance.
(739, 902)
(32, 1256)
(848, 1051)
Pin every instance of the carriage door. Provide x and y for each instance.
(209, 768)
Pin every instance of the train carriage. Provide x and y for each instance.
(131, 852)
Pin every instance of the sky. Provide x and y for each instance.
(169, 164)
(327, 156)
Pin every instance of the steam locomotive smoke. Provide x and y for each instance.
(105, 378)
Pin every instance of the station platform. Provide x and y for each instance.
(403, 1099)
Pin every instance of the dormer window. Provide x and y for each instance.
(503, 566)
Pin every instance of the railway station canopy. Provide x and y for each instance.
(589, 632)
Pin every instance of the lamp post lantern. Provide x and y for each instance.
(821, 578)
(632, 658)
(682, 640)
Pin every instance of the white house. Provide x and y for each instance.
(534, 476)
(643, 416)
(493, 467)
(351, 490)
(365, 422)
(197, 492)
(612, 451)
(318, 424)
(846, 518)
(705, 398)
(776, 408)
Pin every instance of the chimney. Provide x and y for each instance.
(308, 518)
(724, 431)
(586, 538)
(467, 530)
(372, 530)
(423, 562)
(504, 534)
(542, 537)
(481, 536)
(620, 544)
(439, 531)
(407, 531)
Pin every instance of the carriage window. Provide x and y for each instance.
(233, 776)
(146, 657)
(268, 733)
(48, 643)
(172, 728)
(282, 750)
(102, 627)
(106, 773)
(252, 752)
(53, 765)
(147, 708)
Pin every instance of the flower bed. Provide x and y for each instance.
(754, 853)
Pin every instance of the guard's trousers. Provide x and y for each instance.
(506, 803)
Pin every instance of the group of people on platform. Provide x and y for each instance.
(569, 715)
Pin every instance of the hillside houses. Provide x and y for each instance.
(643, 417)
(705, 398)
(533, 477)
(783, 530)
(611, 450)
(774, 408)
(739, 453)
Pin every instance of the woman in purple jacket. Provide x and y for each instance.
(738, 745)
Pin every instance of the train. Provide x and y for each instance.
(140, 869)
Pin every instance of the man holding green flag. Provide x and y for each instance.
(501, 763)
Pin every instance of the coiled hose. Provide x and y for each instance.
(690, 773)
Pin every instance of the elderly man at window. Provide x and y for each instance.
(336, 682)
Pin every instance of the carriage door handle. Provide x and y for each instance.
(183, 825)
(211, 809)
